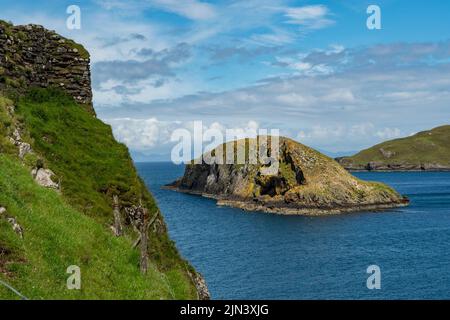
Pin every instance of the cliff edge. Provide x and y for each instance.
(70, 195)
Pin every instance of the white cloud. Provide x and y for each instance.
(304, 68)
(154, 136)
(319, 132)
(292, 98)
(339, 95)
(191, 9)
(275, 38)
(389, 133)
(310, 17)
(139, 134)
(333, 95)
(322, 135)
(141, 92)
(338, 112)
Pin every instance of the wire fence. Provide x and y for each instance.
(13, 290)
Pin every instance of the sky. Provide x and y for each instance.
(311, 69)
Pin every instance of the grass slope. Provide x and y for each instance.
(73, 228)
(57, 236)
(427, 147)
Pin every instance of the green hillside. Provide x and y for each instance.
(72, 226)
(427, 150)
(57, 236)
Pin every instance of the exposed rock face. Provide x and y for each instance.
(33, 56)
(24, 148)
(424, 151)
(43, 177)
(307, 183)
(200, 284)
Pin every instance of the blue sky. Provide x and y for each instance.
(309, 68)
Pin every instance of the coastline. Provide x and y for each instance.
(397, 170)
(383, 167)
(280, 209)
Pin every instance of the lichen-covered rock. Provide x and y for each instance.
(307, 182)
(34, 56)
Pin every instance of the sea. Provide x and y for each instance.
(395, 254)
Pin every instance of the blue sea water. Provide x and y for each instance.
(262, 256)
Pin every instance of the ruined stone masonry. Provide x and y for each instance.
(34, 56)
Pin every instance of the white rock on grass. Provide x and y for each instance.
(43, 177)
(16, 227)
(12, 221)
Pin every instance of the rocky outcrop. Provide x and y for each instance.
(307, 182)
(44, 178)
(24, 147)
(34, 56)
(200, 284)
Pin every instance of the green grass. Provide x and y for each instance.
(81, 50)
(425, 147)
(287, 172)
(73, 228)
(6, 126)
(81, 150)
(57, 236)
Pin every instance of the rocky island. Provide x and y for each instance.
(307, 183)
(424, 151)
